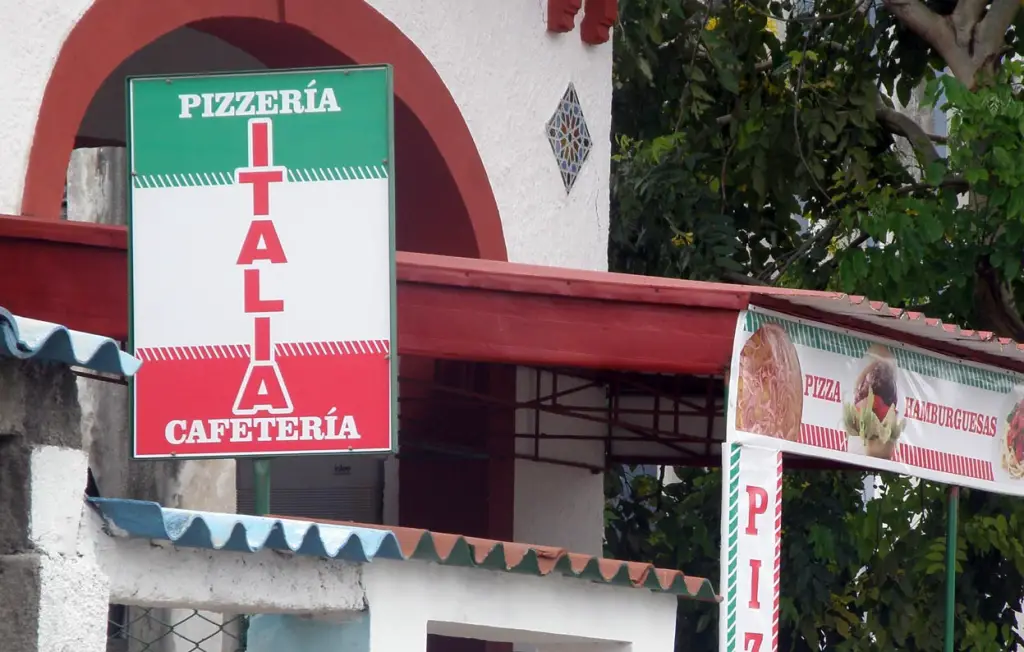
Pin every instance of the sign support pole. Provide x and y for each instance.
(261, 485)
(951, 533)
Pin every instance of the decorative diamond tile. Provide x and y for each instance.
(569, 137)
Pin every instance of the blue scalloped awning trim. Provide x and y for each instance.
(240, 533)
(31, 339)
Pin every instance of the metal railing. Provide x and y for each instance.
(144, 629)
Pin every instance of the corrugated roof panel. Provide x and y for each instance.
(240, 533)
(31, 339)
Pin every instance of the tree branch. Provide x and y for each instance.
(991, 31)
(902, 125)
(955, 183)
(937, 32)
(780, 266)
(965, 16)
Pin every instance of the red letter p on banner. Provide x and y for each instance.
(757, 501)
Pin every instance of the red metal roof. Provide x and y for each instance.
(841, 309)
(76, 274)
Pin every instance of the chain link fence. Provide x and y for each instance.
(143, 629)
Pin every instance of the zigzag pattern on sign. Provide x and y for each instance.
(777, 577)
(349, 173)
(829, 438)
(283, 349)
(961, 465)
(295, 175)
(732, 545)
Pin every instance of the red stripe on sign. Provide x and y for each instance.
(830, 438)
(284, 349)
(925, 458)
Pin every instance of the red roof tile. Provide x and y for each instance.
(458, 550)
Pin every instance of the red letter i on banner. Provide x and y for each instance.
(755, 572)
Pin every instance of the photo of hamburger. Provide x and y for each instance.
(873, 414)
(769, 390)
(1012, 454)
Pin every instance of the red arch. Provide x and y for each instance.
(112, 30)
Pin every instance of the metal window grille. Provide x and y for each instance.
(144, 629)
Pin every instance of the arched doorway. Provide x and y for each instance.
(432, 138)
(444, 203)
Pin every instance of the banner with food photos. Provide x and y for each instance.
(817, 390)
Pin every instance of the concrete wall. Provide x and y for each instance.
(505, 71)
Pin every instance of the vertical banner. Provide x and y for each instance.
(261, 262)
(751, 548)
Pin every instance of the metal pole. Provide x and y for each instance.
(261, 485)
(951, 532)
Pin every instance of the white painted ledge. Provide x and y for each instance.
(523, 609)
(407, 600)
(154, 574)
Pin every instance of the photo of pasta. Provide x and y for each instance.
(873, 412)
(1012, 442)
(769, 388)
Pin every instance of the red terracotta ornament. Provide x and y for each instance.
(599, 17)
(562, 14)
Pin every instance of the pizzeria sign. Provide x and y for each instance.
(261, 250)
(807, 388)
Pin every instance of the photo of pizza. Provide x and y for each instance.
(1012, 442)
(769, 389)
(873, 413)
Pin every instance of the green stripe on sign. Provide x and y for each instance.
(351, 173)
(810, 336)
(191, 180)
(825, 339)
(732, 545)
(295, 175)
(950, 371)
(333, 120)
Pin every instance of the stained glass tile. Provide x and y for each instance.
(569, 137)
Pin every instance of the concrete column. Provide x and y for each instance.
(52, 604)
(52, 598)
(97, 192)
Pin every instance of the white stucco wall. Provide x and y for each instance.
(505, 71)
(540, 613)
(507, 75)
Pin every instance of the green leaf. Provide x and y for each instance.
(728, 80)
(828, 132)
(935, 173)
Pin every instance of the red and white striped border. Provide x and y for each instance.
(778, 555)
(961, 465)
(283, 349)
(830, 438)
